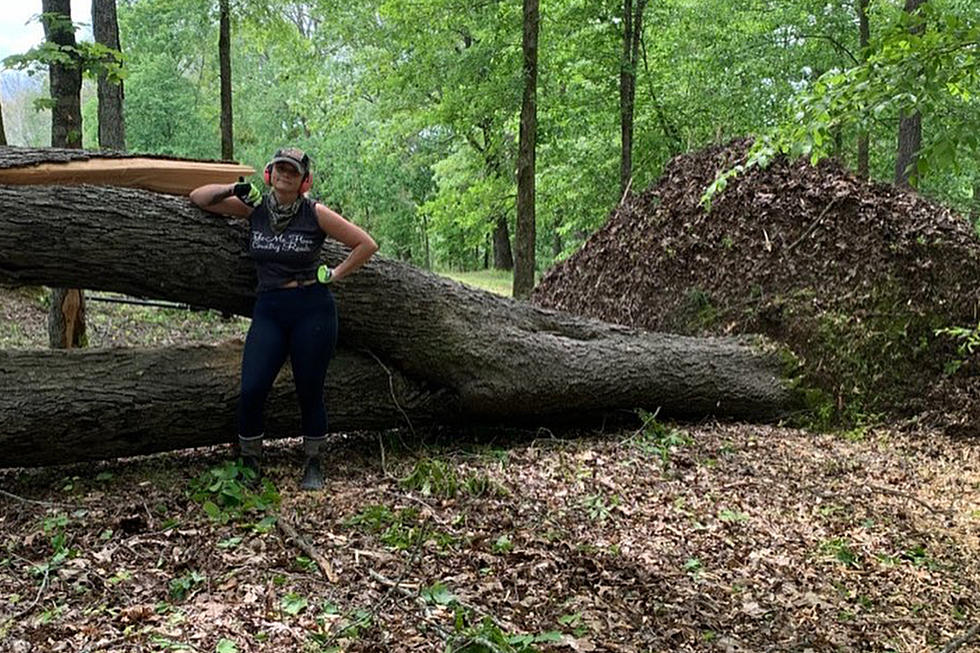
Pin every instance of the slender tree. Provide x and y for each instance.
(909, 126)
(3, 132)
(224, 65)
(632, 29)
(105, 29)
(66, 317)
(525, 237)
(864, 38)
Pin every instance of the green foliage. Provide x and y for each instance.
(967, 341)
(926, 63)
(485, 636)
(399, 530)
(841, 550)
(659, 439)
(55, 529)
(292, 603)
(225, 494)
(182, 586)
(94, 59)
(432, 477)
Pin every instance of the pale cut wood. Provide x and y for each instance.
(161, 175)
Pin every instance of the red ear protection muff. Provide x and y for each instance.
(303, 187)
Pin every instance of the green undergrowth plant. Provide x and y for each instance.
(55, 529)
(433, 477)
(659, 439)
(398, 529)
(227, 493)
(967, 341)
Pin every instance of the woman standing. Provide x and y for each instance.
(295, 314)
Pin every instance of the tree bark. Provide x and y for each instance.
(105, 29)
(66, 319)
(909, 128)
(3, 131)
(525, 238)
(505, 360)
(224, 64)
(632, 29)
(70, 406)
(864, 39)
(66, 79)
(502, 257)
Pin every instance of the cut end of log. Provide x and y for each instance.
(160, 175)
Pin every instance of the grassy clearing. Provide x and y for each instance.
(500, 282)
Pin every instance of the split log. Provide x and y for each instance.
(33, 166)
(60, 406)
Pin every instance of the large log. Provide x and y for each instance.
(61, 406)
(504, 359)
(501, 360)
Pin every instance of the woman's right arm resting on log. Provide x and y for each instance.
(220, 198)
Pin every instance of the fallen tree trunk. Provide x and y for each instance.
(61, 406)
(503, 360)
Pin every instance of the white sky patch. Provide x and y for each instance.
(19, 33)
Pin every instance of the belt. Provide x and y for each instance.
(296, 283)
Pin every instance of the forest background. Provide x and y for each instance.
(411, 109)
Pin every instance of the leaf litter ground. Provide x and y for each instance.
(734, 537)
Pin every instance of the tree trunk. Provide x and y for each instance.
(66, 79)
(909, 144)
(505, 360)
(105, 29)
(864, 39)
(503, 259)
(61, 406)
(66, 320)
(224, 65)
(909, 128)
(526, 237)
(632, 29)
(3, 132)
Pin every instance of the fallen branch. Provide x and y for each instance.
(290, 533)
(962, 639)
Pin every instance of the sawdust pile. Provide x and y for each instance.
(856, 277)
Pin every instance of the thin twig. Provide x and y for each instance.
(905, 495)
(292, 534)
(51, 504)
(40, 591)
(391, 388)
(384, 466)
(962, 639)
(813, 225)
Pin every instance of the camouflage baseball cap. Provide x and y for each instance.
(295, 157)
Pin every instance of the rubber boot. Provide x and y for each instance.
(312, 472)
(251, 450)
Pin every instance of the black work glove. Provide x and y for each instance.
(247, 192)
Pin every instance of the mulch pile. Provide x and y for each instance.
(854, 276)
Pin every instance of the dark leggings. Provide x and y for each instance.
(300, 323)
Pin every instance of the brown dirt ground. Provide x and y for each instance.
(697, 537)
